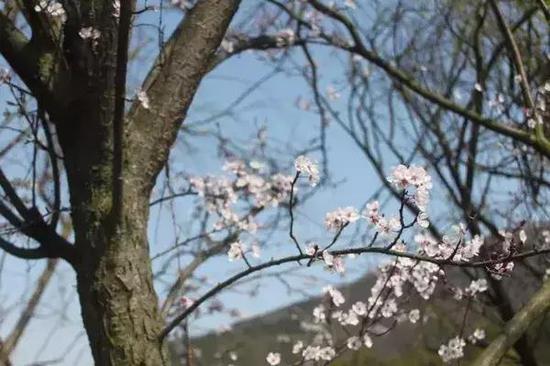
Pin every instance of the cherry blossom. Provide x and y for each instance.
(185, 302)
(476, 336)
(414, 315)
(317, 353)
(477, 286)
(285, 37)
(360, 308)
(522, 236)
(367, 341)
(335, 295)
(235, 251)
(273, 358)
(297, 347)
(116, 8)
(454, 350)
(319, 314)
(354, 343)
(308, 167)
(340, 217)
(332, 94)
(416, 177)
(52, 8)
(311, 249)
(89, 33)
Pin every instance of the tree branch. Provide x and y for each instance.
(24, 58)
(125, 20)
(173, 82)
(11, 341)
(537, 306)
(23, 253)
(318, 255)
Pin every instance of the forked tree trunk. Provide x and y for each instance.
(114, 275)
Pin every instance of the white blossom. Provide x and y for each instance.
(367, 341)
(116, 8)
(414, 315)
(89, 33)
(235, 251)
(477, 286)
(311, 248)
(183, 4)
(256, 251)
(522, 236)
(273, 358)
(335, 295)
(143, 99)
(328, 258)
(305, 165)
(285, 37)
(336, 219)
(477, 335)
(319, 314)
(297, 347)
(354, 343)
(454, 350)
(52, 8)
(228, 46)
(350, 4)
(332, 94)
(360, 308)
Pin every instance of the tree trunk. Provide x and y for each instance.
(119, 305)
(114, 275)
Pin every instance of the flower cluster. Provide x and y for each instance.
(333, 263)
(475, 287)
(340, 217)
(476, 336)
(416, 177)
(89, 33)
(454, 350)
(222, 195)
(306, 166)
(382, 224)
(52, 8)
(273, 358)
(335, 295)
(236, 251)
(285, 37)
(453, 246)
(318, 353)
(116, 9)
